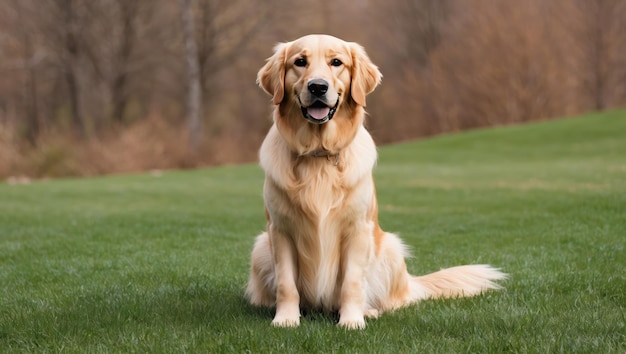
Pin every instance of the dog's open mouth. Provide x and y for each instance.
(319, 112)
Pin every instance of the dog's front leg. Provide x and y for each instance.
(287, 297)
(356, 250)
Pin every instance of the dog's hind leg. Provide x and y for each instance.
(261, 288)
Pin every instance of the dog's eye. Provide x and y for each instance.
(336, 62)
(300, 62)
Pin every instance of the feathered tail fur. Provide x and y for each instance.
(460, 281)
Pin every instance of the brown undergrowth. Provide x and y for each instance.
(151, 144)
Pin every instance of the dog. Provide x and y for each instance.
(323, 248)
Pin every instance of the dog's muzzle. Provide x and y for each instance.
(319, 111)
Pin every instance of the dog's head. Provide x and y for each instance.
(319, 75)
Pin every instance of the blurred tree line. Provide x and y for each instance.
(105, 86)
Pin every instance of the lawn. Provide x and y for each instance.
(159, 262)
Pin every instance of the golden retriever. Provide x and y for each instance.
(323, 247)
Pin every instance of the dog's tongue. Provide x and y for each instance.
(318, 113)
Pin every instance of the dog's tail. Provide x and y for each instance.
(461, 281)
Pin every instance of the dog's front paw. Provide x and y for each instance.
(352, 323)
(286, 322)
(351, 318)
(287, 318)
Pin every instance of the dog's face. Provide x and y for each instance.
(319, 76)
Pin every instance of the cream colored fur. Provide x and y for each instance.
(323, 247)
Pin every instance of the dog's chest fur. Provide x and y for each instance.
(318, 187)
(321, 195)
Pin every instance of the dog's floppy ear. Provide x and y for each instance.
(365, 75)
(271, 77)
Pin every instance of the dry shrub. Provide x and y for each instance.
(150, 144)
(155, 144)
(495, 63)
(498, 74)
(10, 155)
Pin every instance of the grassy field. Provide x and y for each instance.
(158, 263)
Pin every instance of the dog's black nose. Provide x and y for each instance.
(318, 87)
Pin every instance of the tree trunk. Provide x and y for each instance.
(128, 11)
(194, 94)
(70, 67)
(32, 127)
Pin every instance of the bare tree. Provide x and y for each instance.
(30, 59)
(128, 13)
(599, 41)
(224, 29)
(194, 99)
(70, 61)
(421, 23)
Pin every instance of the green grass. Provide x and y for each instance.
(159, 264)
